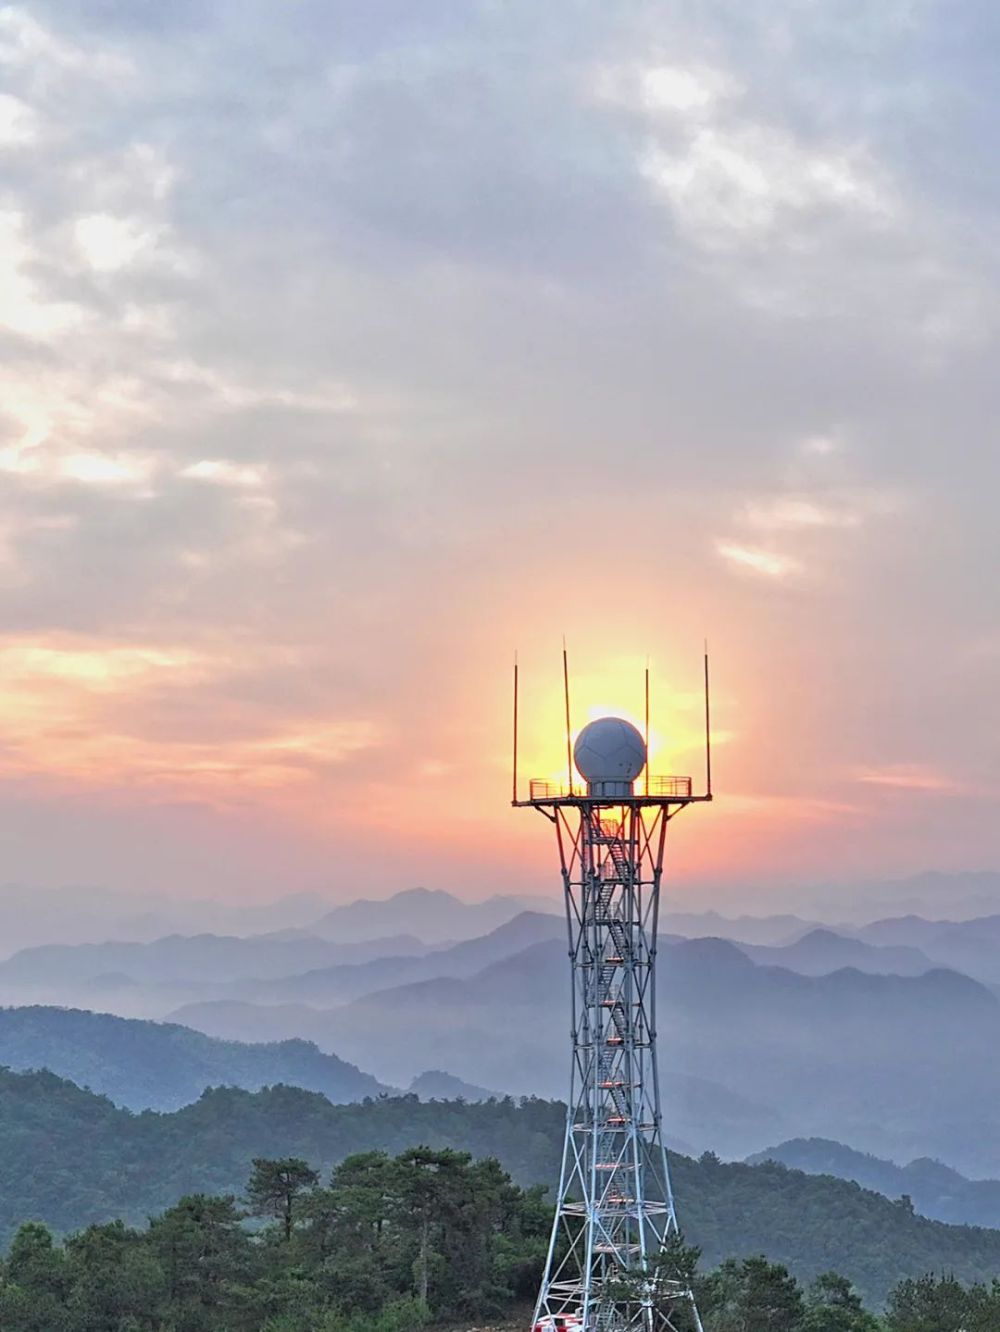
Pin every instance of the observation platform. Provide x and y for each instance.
(655, 790)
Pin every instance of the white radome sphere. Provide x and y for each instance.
(609, 750)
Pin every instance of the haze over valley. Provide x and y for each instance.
(865, 1034)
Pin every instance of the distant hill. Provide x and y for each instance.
(430, 914)
(88, 1162)
(191, 959)
(822, 951)
(962, 894)
(893, 1064)
(937, 1190)
(972, 946)
(161, 1065)
(773, 930)
(531, 1048)
(83, 913)
(434, 1085)
(336, 984)
(817, 1223)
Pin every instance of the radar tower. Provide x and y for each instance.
(608, 1267)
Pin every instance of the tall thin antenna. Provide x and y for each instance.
(614, 1212)
(569, 742)
(647, 729)
(515, 728)
(708, 730)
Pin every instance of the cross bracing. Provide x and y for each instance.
(615, 1215)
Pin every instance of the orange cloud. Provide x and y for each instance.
(755, 560)
(67, 713)
(907, 777)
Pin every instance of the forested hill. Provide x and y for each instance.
(161, 1065)
(813, 1223)
(68, 1157)
(87, 1160)
(937, 1190)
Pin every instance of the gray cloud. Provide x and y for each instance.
(355, 334)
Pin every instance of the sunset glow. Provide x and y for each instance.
(292, 463)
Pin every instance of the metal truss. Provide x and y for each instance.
(615, 1212)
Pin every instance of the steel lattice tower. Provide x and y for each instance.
(615, 1209)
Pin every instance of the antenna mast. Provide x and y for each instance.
(515, 730)
(708, 732)
(569, 741)
(615, 1217)
(645, 771)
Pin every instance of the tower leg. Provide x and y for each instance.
(607, 1268)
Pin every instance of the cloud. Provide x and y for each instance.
(109, 243)
(731, 179)
(792, 512)
(749, 184)
(24, 308)
(691, 91)
(82, 712)
(339, 349)
(909, 777)
(18, 123)
(753, 559)
(224, 473)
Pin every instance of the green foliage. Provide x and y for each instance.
(395, 1244)
(389, 1244)
(91, 1162)
(752, 1294)
(811, 1223)
(275, 1188)
(36, 1283)
(936, 1190)
(833, 1305)
(942, 1304)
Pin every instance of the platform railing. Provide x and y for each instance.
(673, 788)
(667, 786)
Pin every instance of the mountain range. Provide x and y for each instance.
(972, 946)
(821, 951)
(891, 1063)
(83, 913)
(432, 915)
(184, 959)
(337, 984)
(936, 1190)
(855, 1034)
(163, 1066)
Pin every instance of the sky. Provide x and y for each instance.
(347, 349)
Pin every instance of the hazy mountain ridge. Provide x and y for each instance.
(937, 1191)
(972, 946)
(31, 916)
(337, 984)
(696, 1104)
(892, 1063)
(821, 951)
(433, 915)
(436, 1085)
(184, 959)
(830, 1054)
(774, 931)
(141, 1065)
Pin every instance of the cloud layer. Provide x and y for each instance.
(346, 349)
